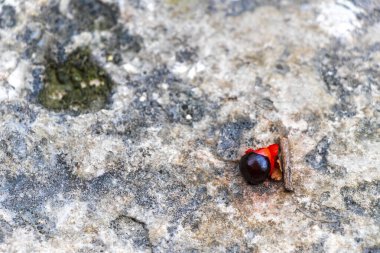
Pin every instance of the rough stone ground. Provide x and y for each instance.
(195, 82)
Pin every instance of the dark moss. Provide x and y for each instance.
(77, 85)
(7, 16)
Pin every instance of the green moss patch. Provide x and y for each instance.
(77, 85)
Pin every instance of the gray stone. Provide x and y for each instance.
(7, 16)
(196, 83)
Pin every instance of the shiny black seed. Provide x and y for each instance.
(254, 167)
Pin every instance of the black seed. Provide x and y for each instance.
(254, 167)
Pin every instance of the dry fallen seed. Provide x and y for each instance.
(286, 163)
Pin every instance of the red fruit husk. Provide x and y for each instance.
(248, 151)
(274, 149)
(271, 152)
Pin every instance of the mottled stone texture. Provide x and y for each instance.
(195, 82)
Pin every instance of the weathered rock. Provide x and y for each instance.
(149, 167)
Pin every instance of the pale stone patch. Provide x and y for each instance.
(339, 19)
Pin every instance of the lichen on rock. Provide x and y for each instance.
(77, 85)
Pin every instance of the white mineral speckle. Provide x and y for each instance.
(130, 68)
(339, 18)
(17, 78)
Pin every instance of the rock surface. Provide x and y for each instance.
(195, 82)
